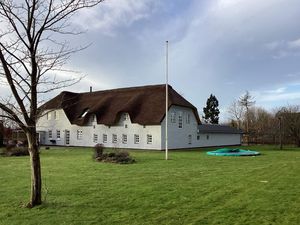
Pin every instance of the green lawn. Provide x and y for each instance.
(191, 188)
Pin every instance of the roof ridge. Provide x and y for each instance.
(124, 89)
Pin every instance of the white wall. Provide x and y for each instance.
(178, 137)
(62, 124)
(218, 139)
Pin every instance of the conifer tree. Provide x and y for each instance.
(211, 111)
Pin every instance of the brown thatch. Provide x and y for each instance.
(145, 105)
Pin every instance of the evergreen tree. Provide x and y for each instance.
(211, 111)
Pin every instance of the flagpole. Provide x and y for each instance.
(167, 103)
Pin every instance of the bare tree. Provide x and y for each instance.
(246, 101)
(236, 112)
(31, 51)
(290, 118)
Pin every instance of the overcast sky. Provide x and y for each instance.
(223, 47)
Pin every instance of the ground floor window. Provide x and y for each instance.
(79, 134)
(190, 139)
(57, 134)
(124, 138)
(67, 137)
(136, 139)
(95, 138)
(149, 139)
(104, 138)
(198, 137)
(50, 134)
(114, 138)
(207, 137)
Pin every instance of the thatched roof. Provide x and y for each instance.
(145, 105)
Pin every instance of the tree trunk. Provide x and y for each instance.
(36, 179)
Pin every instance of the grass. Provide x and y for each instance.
(191, 188)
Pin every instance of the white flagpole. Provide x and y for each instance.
(167, 104)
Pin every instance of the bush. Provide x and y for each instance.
(98, 150)
(15, 151)
(121, 157)
(14, 148)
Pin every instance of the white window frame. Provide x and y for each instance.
(114, 138)
(149, 139)
(180, 120)
(104, 138)
(58, 134)
(124, 138)
(95, 138)
(48, 115)
(79, 134)
(84, 113)
(189, 139)
(56, 115)
(173, 117)
(68, 135)
(50, 134)
(136, 139)
(188, 118)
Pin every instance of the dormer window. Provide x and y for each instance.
(84, 113)
(126, 116)
(49, 116)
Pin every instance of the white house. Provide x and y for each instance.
(128, 118)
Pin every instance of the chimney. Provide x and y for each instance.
(91, 89)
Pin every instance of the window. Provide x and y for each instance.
(124, 138)
(198, 137)
(126, 116)
(84, 113)
(104, 138)
(79, 134)
(50, 134)
(49, 116)
(67, 137)
(149, 139)
(57, 134)
(136, 139)
(114, 138)
(190, 139)
(95, 138)
(180, 120)
(173, 117)
(207, 137)
(56, 115)
(126, 125)
(188, 118)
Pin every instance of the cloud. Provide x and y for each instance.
(279, 96)
(294, 44)
(108, 16)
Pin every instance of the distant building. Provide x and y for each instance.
(128, 118)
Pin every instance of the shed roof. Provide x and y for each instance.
(216, 128)
(145, 105)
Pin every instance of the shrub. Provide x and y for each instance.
(98, 151)
(14, 148)
(16, 151)
(121, 157)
